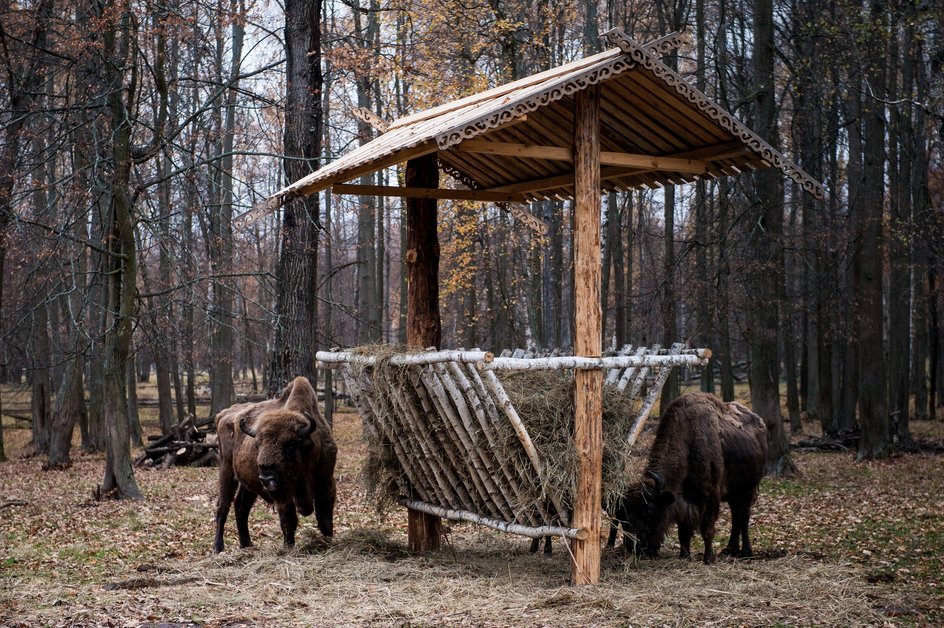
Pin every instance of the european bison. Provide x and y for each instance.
(280, 450)
(706, 451)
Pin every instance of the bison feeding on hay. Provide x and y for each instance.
(280, 450)
(706, 451)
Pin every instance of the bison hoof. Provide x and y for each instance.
(710, 558)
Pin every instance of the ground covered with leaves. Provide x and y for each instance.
(842, 543)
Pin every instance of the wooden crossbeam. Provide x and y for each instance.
(607, 158)
(564, 180)
(437, 193)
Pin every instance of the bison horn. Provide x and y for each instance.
(248, 431)
(308, 429)
(657, 478)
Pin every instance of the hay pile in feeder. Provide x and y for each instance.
(544, 400)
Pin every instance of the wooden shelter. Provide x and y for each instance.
(617, 120)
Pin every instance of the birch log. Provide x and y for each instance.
(596, 363)
(327, 358)
(460, 515)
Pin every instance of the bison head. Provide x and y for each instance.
(642, 512)
(283, 442)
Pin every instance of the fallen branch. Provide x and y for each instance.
(13, 502)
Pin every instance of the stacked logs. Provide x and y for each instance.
(187, 445)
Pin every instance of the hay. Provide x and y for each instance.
(371, 580)
(545, 402)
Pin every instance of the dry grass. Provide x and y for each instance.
(843, 544)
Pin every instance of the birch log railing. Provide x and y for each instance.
(442, 417)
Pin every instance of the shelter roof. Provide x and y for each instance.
(513, 142)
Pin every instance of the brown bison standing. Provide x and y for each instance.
(705, 452)
(280, 450)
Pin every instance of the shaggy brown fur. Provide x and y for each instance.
(706, 451)
(280, 450)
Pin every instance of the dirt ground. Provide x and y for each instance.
(839, 544)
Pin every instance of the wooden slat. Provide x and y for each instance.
(668, 102)
(672, 135)
(624, 124)
(684, 122)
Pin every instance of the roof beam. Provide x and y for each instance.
(437, 193)
(565, 180)
(561, 153)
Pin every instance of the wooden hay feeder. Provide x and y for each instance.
(443, 415)
(617, 120)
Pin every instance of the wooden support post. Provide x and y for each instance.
(588, 340)
(423, 325)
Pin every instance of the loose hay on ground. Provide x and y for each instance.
(370, 580)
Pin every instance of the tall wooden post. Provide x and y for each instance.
(588, 340)
(423, 325)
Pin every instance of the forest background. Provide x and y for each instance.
(132, 133)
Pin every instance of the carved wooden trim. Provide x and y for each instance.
(527, 218)
(554, 92)
(366, 115)
(644, 59)
(667, 43)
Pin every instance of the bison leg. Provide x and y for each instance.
(744, 520)
(326, 491)
(614, 529)
(733, 548)
(536, 543)
(244, 501)
(739, 544)
(708, 520)
(288, 518)
(227, 484)
(685, 533)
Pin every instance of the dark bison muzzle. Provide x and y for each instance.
(282, 451)
(706, 451)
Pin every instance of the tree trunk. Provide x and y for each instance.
(294, 347)
(922, 212)
(121, 266)
(766, 275)
(70, 406)
(134, 418)
(869, 254)
(423, 324)
(222, 391)
(899, 286)
(5, 219)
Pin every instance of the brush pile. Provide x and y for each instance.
(188, 445)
